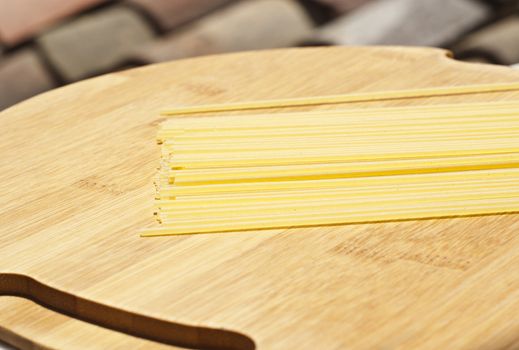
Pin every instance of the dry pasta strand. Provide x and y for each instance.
(343, 166)
(347, 98)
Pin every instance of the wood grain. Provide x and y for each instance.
(76, 186)
(31, 326)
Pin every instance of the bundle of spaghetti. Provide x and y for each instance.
(349, 165)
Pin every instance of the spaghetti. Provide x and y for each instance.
(279, 170)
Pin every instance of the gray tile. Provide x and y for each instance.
(499, 40)
(22, 75)
(96, 42)
(249, 25)
(406, 22)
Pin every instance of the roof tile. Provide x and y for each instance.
(249, 25)
(169, 14)
(499, 40)
(22, 75)
(96, 42)
(20, 19)
(406, 22)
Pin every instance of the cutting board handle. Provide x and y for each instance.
(141, 326)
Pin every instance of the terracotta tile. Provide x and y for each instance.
(22, 75)
(499, 41)
(249, 25)
(21, 19)
(172, 13)
(406, 22)
(96, 42)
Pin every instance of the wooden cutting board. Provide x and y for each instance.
(76, 186)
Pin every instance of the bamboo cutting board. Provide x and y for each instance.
(76, 186)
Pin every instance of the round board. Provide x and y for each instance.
(76, 173)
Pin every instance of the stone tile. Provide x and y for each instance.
(96, 42)
(21, 19)
(499, 40)
(22, 75)
(406, 22)
(342, 6)
(248, 25)
(169, 14)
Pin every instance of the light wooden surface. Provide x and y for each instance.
(31, 326)
(76, 186)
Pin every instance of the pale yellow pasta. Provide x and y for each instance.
(349, 165)
(347, 98)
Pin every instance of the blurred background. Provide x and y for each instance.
(49, 43)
